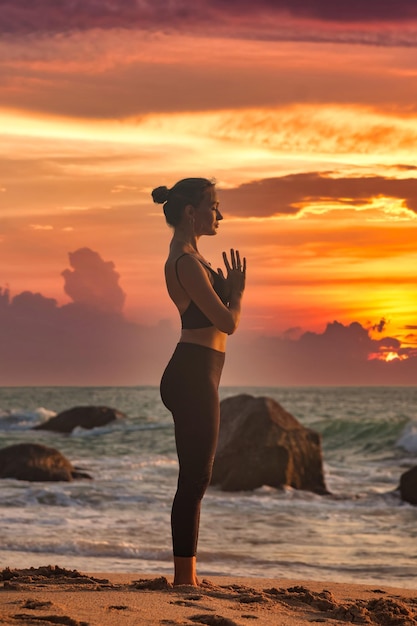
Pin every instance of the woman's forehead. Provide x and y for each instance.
(212, 194)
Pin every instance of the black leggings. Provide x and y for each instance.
(189, 389)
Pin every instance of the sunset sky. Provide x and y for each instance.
(303, 112)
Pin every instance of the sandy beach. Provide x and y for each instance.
(54, 595)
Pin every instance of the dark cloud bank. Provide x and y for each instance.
(338, 356)
(89, 342)
(286, 195)
(50, 16)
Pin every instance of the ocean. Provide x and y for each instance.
(120, 520)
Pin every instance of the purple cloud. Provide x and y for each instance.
(49, 16)
(340, 355)
(93, 282)
(87, 341)
(328, 10)
(380, 327)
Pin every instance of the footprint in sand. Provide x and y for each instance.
(36, 605)
(189, 604)
(152, 584)
(213, 620)
(63, 620)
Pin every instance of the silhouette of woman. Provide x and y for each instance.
(209, 304)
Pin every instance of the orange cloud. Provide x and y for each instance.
(164, 74)
(41, 227)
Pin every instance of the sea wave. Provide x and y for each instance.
(123, 550)
(408, 438)
(24, 419)
(361, 435)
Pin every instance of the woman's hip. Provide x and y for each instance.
(192, 374)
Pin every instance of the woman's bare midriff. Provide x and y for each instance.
(210, 337)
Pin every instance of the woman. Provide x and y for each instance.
(209, 305)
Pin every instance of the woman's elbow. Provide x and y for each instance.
(228, 321)
(226, 326)
(232, 329)
(230, 326)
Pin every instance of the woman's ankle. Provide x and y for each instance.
(185, 570)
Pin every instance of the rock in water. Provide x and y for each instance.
(35, 462)
(262, 444)
(408, 486)
(87, 417)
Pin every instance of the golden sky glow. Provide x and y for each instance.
(312, 145)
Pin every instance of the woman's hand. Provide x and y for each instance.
(236, 272)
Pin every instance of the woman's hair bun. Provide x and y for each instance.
(160, 194)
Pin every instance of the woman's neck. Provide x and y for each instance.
(185, 240)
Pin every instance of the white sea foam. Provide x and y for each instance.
(93, 432)
(408, 439)
(23, 419)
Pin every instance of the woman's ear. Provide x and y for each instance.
(189, 211)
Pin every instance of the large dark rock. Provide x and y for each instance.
(262, 444)
(87, 417)
(408, 486)
(35, 462)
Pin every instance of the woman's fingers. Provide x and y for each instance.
(235, 260)
(232, 256)
(226, 262)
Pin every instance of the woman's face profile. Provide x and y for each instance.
(207, 215)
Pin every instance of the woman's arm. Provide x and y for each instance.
(195, 281)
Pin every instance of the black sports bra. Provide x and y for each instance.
(193, 317)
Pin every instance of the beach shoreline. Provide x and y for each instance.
(54, 595)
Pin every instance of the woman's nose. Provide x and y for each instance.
(219, 216)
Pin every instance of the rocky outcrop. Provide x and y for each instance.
(87, 417)
(408, 486)
(262, 444)
(35, 462)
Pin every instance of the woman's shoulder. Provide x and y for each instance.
(178, 259)
(175, 256)
(187, 259)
